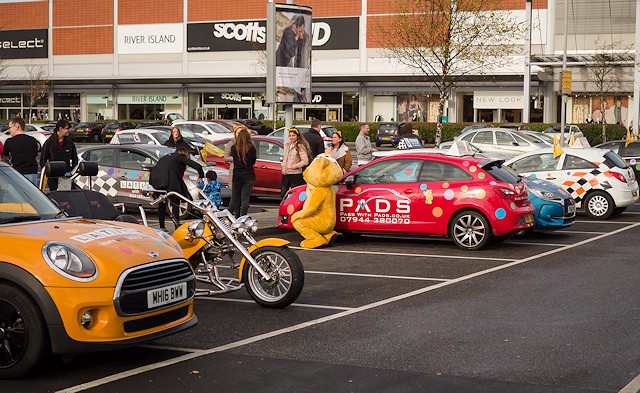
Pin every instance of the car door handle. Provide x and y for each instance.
(408, 191)
(122, 178)
(262, 167)
(550, 178)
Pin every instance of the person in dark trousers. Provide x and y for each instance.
(21, 151)
(176, 140)
(59, 147)
(315, 140)
(244, 156)
(167, 175)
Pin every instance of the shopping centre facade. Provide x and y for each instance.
(132, 59)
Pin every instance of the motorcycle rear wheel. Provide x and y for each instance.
(284, 266)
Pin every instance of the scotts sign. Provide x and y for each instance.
(327, 34)
(23, 44)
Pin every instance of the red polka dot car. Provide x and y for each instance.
(468, 199)
(73, 285)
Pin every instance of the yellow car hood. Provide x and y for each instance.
(113, 246)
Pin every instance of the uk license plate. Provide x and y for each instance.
(634, 193)
(109, 135)
(528, 218)
(386, 138)
(166, 295)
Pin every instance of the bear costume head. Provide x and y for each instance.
(324, 171)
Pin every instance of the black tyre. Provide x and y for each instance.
(470, 230)
(24, 342)
(287, 273)
(378, 144)
(598, 205)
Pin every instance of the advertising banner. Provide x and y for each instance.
(291, 59)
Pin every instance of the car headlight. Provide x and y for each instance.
(70, 261)
(169, 239)
(544, 194)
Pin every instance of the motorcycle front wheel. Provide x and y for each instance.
(286, 271)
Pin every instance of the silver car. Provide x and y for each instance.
(502, 141)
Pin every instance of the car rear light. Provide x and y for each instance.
(619, 176)
(118, 129)
(89, 129)
(516, 193)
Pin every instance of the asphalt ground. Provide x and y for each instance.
(551, 312)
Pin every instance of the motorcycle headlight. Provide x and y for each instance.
(168, 238)
(70, 261)
(196, 229)
(245, 223)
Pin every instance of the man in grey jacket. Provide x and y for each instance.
(363, 145)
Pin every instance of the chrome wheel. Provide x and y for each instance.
(286, 272)
(599, 205)
(470, 230)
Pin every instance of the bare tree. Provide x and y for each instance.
(446, 40)
(605, 73)
(37, 85)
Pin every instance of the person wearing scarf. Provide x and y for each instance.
(340, 151)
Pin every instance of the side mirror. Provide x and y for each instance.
(349, 181)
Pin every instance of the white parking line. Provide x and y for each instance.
(473, 257)
(632, 387)
(250, 340)
(224, 299)
(376, 276)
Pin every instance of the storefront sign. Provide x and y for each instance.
(151, 38)
(327, 98)
(497, 100)
(226, 98)
(24, 44)
(10, 100)
(326, 33)
(148, 98)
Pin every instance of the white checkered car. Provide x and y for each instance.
(599, 180)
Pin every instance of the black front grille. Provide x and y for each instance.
(567, 203)
(156, 320)
(131, 294)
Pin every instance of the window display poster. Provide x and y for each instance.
(615, 110)
(412, 107)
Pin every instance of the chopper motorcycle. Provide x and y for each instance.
(270, 271)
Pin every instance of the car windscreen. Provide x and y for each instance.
(21, 201)
(499, 172)
(611, 159)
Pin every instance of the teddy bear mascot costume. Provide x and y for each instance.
(316, 220)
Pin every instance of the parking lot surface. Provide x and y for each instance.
(551, 312)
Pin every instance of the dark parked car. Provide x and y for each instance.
(388, 133)
(115, 126)
(257, 126)
(516, 126)
(630, 153)
(86, 132)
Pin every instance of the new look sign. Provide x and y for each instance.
(151, 38)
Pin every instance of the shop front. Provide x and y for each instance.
(147, 105)
(225, 105)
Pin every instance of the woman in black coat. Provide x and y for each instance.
(59, 147)
(167, 175)
(176, 140)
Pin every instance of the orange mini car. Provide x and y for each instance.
(73, 285)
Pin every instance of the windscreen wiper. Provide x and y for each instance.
(15, 219)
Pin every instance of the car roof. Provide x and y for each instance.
(589, 152)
